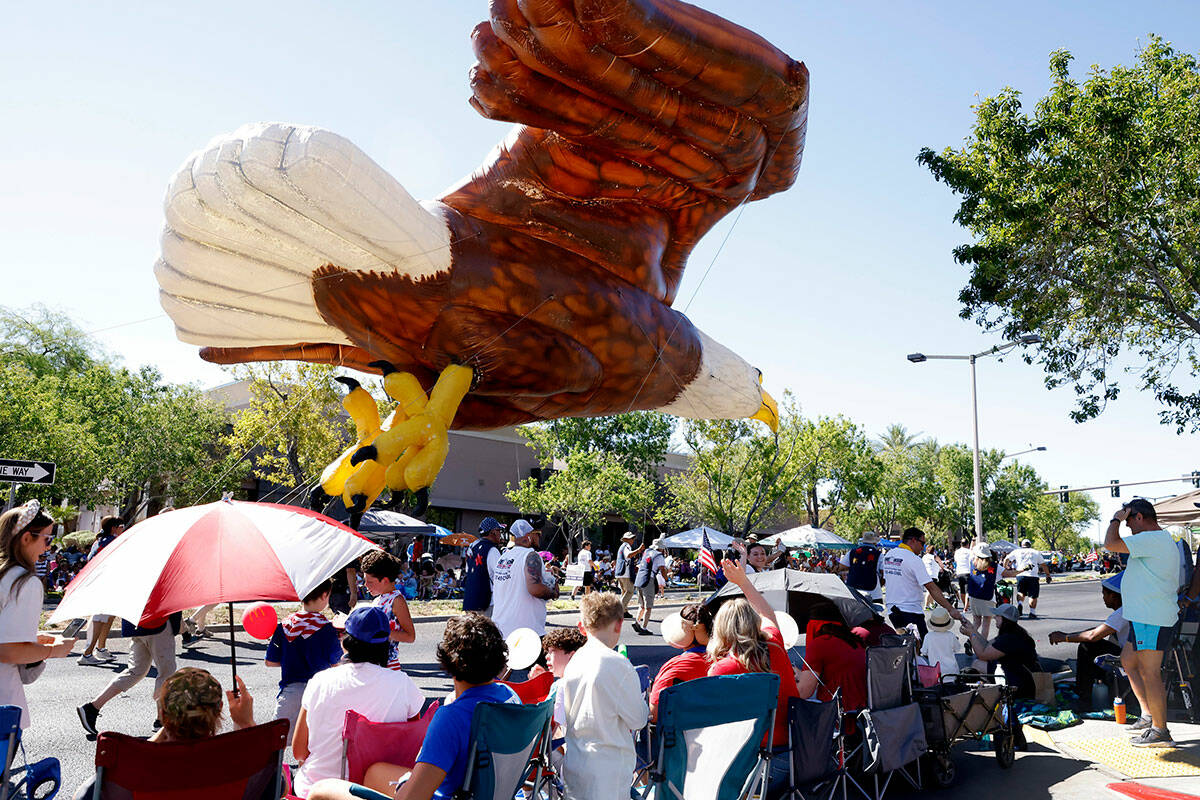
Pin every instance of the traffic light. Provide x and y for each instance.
(1115, 487)
(1064, 496)
(1196, 478)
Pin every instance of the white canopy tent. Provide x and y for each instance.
(808, 536)
(691, 540)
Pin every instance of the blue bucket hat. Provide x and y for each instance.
(368, 624)
(489, 524)
(1113, 582)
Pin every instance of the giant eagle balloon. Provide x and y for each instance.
(538, 287)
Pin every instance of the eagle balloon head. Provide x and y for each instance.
(724, 387)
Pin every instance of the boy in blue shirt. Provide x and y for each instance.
(474, 653)
(303, 644)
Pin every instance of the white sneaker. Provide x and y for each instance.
(88, 660)
(104, 655)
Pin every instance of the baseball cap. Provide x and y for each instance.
(490, 524)
(1026, 543)
(368, 624)
(521, 528)
(1113, 582)
(1140, 505)
(1008, 611)
(981, 550)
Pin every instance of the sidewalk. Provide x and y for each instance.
(1138, 772)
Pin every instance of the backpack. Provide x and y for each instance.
(864, 568)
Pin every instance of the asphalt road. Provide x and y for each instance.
(65, 684)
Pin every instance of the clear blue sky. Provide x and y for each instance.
(825, 287)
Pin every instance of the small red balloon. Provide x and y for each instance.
(259, 620)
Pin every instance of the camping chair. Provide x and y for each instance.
(893, 731)
(534, 690)
(508, 745)
(816, 757)
(714, 738)
(40, 779)
(365, 743)
(241, 765)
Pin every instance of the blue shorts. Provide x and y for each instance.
(1151, 637)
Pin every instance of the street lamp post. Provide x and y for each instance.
(918, 358)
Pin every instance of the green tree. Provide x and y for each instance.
(1085, 218)
(836, 466)
(742, 476)
(1056, 525)
(638, 439)
(592, 485)
(294, 425)
(102, 424)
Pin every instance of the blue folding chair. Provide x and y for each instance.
(510, 745)
(714, 738)
(40, 779)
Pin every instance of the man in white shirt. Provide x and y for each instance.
(604, 705)
(584, 560)
(907, 581)
(520, 585)
(1028, 563)
(962, 568)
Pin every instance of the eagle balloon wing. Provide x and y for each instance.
(643, 122)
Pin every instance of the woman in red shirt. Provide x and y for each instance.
(746, 638)
(693, 662)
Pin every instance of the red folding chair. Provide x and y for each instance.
(241, 765)
(365, 743)
(534, 690)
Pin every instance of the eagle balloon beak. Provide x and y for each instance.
(768, 412)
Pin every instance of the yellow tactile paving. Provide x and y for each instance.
(1139, 762)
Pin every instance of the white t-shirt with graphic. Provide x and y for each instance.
(905, 576)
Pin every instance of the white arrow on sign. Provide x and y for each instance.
(34, 473)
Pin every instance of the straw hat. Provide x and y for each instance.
(869, 537)
(939, 619)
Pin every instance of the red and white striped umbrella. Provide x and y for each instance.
(224, 552)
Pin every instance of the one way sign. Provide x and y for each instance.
(40, 472)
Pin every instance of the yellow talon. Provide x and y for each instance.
(407, 450)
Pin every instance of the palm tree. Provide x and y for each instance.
(896, 440)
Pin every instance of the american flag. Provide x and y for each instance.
(1091, 558)
(706, 554)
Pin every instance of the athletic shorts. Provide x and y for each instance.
(1029, 586)
(589, 578)
(1151, 637)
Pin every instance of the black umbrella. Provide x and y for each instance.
(800, 593)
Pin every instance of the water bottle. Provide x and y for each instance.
(625, 651)
(1119, 710)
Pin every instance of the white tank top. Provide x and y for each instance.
(514, 607)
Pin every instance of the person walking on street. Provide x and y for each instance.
(96, 652)
(480, 567)
(584, 560)
(521, 587)
(962, 568)
(1028, 563)
(626, 568)
(651, 564)
(151, 643)
(860, 567)
(1149, 592)
(907, 581)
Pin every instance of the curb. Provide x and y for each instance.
(1140, 791)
